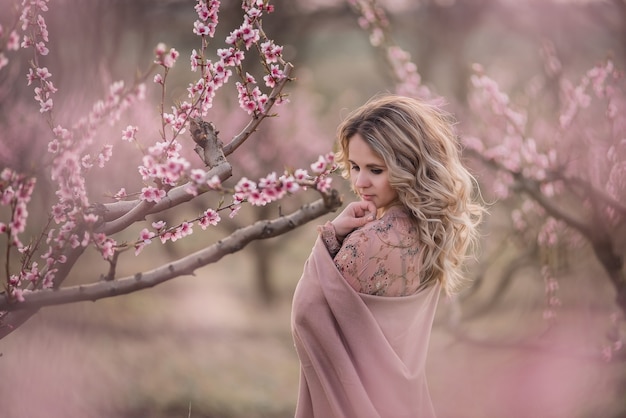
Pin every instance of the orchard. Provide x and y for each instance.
(146, 143)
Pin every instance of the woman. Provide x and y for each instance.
(364, 307)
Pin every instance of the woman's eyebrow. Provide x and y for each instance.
(369, 165)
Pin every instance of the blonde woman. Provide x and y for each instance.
(364, 306)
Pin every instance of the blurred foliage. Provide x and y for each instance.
(164, 352)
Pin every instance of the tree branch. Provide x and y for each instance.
(531, 187)
(185, 266)
(120, 215)
(590, 189)
(10, 321)
(257, 119)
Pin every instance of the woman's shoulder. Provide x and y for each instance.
(395, 227)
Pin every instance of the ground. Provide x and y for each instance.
(205, 346)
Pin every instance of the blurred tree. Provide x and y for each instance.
(296, 137)
(74, 154)
(555, 154)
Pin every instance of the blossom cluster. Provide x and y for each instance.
(15, 192)
(70, 159)
(551, 293)
(162, 165)
(36, 37)
(10, 43)
(615, 343)
(268, 189)
(513, 149)
(75, 222)
(215, 74)
(372, 18)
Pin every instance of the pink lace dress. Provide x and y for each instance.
(363, 352)
(381, 258)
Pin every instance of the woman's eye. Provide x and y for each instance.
(376, 171)
(354, 167)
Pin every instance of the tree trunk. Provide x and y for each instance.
(262, 254)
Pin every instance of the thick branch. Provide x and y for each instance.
(254, 123)
(599, 238)
(120, 215)
(186, 265)
(531, 187)
(589, 189)
(10, 321)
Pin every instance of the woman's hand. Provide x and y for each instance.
(354, 216)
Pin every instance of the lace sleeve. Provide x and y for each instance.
(381, 258)
(329, 237)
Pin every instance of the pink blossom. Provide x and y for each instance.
(105, 155)
(7, 196)
(128, 134)
(210, 217)
(31, 76)
(62, 133)
(13, 43)
(195, 59)
(58, 213)
(275, 75)
(121, 194)
(27, 42)
(324, 184)
(18, 294)
(257, 198)
(14, 280)
(290, 184)
(48, 278)
(170, 58)
(244, 185)
(301, 174)
(53, 146)
(152, 194)
(214, 182)
(186, 228)
(43, 29)
(319, 166)
(74, 242)
(108, 249)
(158, 225)
(41, 48)
(197, 175)
(200, 29)
(192, 189)
(160, 49)
(86, 161)
(271, 52)
(234, 210)
(146, 236)
(43, 73)
(165, 237)
(46, 106)
(139, 248)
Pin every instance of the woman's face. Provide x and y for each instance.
(369, 174)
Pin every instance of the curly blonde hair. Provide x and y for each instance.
(417, 142)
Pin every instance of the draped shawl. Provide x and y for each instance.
(361, 356)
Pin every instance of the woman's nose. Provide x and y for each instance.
(361, 180)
